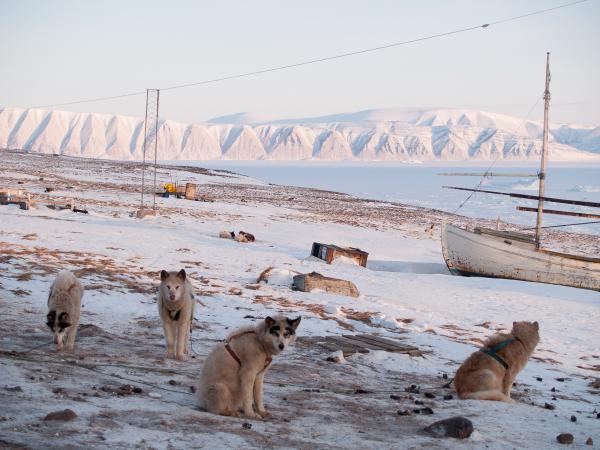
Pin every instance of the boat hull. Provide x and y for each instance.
(497, 255)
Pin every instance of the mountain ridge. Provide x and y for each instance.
(413, 135)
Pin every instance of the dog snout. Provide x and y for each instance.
(172, 297)
(281, 346)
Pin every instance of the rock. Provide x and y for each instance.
(429, 395)
(247, 426)
(13, 388)
(395, 397)
(457, 427)
(573, 419)
(549, 406)
(448, 397)
(137, 390)
(405, 412)
(65, 415)
(336, 357)
(154, 395)
(553, 389)
(427, 410)
(362, 391)
(173, 383)
(193, 389)
(565, 438)
(308, 282)
(539, 378)
(589, 441)
(413, 389)
(561, 379)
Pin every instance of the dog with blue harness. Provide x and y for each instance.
(489, 373)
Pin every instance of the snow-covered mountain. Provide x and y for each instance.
(382, 134)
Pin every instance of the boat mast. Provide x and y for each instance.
(542, 174)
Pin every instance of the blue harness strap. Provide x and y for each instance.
(496, 348)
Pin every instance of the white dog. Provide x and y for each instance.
(64, 306)
(176, 309)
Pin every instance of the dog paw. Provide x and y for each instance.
(252, 415)
(181, 357)
(264, 414)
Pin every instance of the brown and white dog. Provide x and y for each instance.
(176, 309)
(64, 306)
(488, 374)
(231, 381)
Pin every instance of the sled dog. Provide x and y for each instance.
(231, 382)
(488, 374)
(64, 306)
(176, 309)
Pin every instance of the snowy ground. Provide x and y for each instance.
(406, 294)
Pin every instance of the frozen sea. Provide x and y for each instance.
(422, 185)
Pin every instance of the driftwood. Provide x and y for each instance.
(308, 282)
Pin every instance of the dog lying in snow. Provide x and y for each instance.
(64, 307)
(176, 309)
(242, 236)
(231, 381)
(488, 374)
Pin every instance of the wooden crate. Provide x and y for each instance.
(190, 191)
(329, 252)
(309, 281)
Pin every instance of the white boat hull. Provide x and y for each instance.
(494, 254)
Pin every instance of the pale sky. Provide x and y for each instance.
(64, 50)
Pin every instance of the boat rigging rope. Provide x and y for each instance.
(488, 170)
(566, 225)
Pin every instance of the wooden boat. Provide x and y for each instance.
(504, 254)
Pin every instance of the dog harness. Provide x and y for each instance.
(268, 359)
(493, 352)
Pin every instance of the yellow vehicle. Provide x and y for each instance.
(171, 188)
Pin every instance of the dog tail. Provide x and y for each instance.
(487, 395)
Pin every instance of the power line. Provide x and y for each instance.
(318, 60)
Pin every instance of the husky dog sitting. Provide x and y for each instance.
(64, 306)
(488, 374)
(231, 381)
(176, 309)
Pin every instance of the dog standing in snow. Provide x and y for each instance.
(176, 309)
(64, 306)
(231, 381)
(488, 374)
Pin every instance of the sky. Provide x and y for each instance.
(66, 50)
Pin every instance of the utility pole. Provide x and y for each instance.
(150, 136)
(542, 174)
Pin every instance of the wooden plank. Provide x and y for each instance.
(364, 344)
(561, 213)
(349, 343)
(383, 341)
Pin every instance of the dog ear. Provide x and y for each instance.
(537, 326)
(164, 275)
(294, 322)
(181, 274)
(270, 321)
